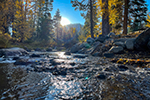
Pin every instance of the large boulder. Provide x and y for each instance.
(116, 49)
(101, 38)
(75, 48)
(148, 45)
(142, 40)
(90, 40)
(129, 44)
(13, 52)
(95, 47)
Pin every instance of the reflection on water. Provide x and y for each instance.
(76, 81)
(3, 79)
(17, 82)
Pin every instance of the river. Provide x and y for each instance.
(76, 77)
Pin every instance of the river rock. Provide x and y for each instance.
(116, 49)
(123, 68)
(97, 54)
(15, 51)
(148, 45)
(82, 51)
(101, 38)
(119, 44)
(55, 62)
(90, 40)
(129, 43)
(87, 45)
(108, 55)
(76, 47)
(15, 58)
(111, 35)
(59, 71)
(80, 56)
(49, 49)
(35, 55)
(37, 49)
(121, 40)
(101, 76)
(142, 40)
(27, 49)
(72, 64)
(23, 62)
(95, 47)
(67, 53)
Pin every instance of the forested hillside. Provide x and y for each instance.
(31, 22)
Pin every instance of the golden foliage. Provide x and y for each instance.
(138, 62)
(4, 39)
(112, 12)
(148, 19)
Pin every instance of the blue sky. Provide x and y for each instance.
(67, 11)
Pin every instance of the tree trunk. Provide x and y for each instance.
(105, 19)
(125, 17)
(91, 18)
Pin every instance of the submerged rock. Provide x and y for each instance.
(23, 62)
(101, 76)
(72, 64)
(67, 53)
(35, 55)
(80, 56)
(123, 68)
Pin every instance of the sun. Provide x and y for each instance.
(64, 21)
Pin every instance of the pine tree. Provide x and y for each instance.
(110, 15)
(138, 11)
(125, 16)
(87, 22)
(57, 25)
(44, 22)
(22, 29)
(116, 15)
(85, 5)
(105, 18)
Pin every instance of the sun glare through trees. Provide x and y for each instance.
(64, 21)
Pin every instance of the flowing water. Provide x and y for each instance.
(70, 78)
